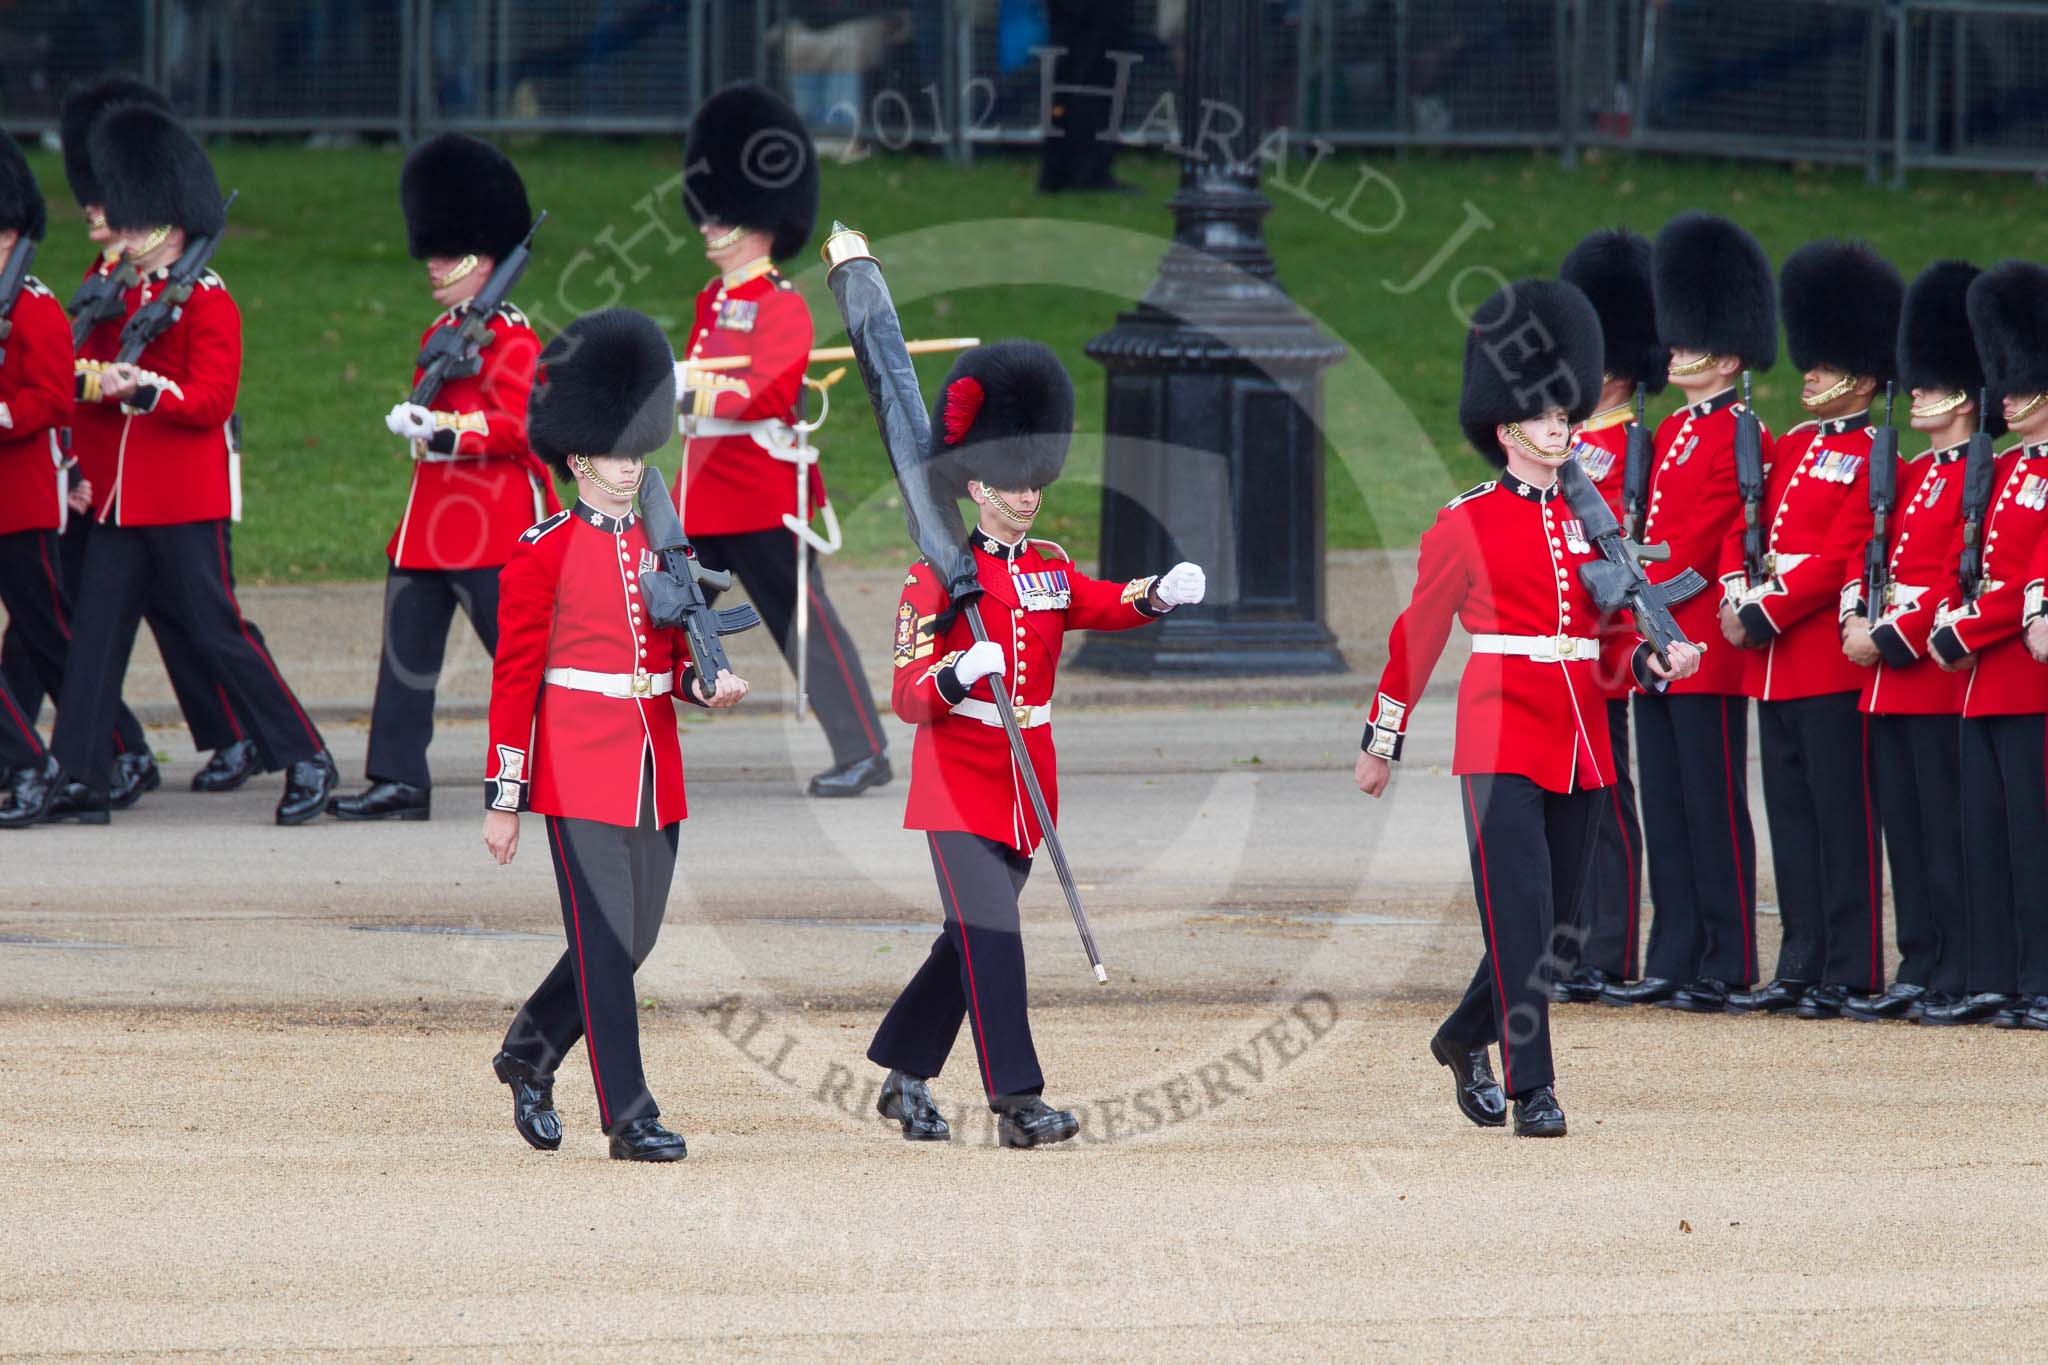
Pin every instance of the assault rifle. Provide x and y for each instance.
(1749, 478)
(456, 352)
(1618, 581)
(1977, 474)
(1884, 497)
(674, 593)
(100, 297)
(11, 281)
(158, 316)
(1635, 473)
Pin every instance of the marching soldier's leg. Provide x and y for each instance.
(477, 592)
(118, 567)
(192, 557)
(21, 748)
(1628, 828)
(1675, 932)
(1993, 947)
(2021, 756)
(419, 606)
(32, 590)
(917, 1034)
(1937, 775)
(766, 564)
(1909, 837)
(202, 697)
(1836, 740)
(593, 875)
(1724, 845)
(978, 893)
(1795, 841)
(1507, 838)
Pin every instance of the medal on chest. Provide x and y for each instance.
(1575, 537)
(2033, 494)
(737, 315)
(1047, 591)
(1597, 461)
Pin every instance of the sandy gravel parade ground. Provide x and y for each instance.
(246, 1105)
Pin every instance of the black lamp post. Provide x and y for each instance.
(1213, 449)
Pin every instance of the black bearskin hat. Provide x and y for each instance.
(461, 195)
(1841, 302)
(1936, 350)
(1534, 345)
(1004, 417)
(83, 105)
(21, 199)
(750, 162)
(2009, 318)
(154, 173)
(605, 386)
(1714, 290)
(1611, 268)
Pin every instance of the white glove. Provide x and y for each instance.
(411, 421)
(981, 658)
(1182, 585)
(683, 375)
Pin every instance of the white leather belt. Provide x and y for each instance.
(1544, 649)
(756, 427)
(987, 714)
(622, 685)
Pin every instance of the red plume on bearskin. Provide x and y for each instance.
(963, 401)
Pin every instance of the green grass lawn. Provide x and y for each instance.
(333, 307)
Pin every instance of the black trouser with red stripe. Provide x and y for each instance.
(34, 592)
(1606, 919)
(187, 566)
(201, 698)
(20, 745)
(1815, 754)
(614, 882)
(1531, 850)
(419, 606)
(975, 971)
(2005, 852)
(1916, 767)
(1697, 839)
(765, 563)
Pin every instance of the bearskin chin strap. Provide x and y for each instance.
(585, 469)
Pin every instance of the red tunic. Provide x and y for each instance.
(1601, 448)
(731, 484)
(2005, 680)
(1503, 560)
(172, 461)
(475, 485)
(35, 401)
(96, 427)
(1817, 519)
(1693, 502)
(1924, 532)
(962, 775)
(569, 597)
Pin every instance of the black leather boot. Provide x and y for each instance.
(1648, 991)
(306, 789)
(229, 767)
(49, 795)
(533, 1102)
(907, 1100)
(134, 774)
(851, 779)
(647, 1140)
(385, 801)
(1472, 1084)
(1538, 1114)
(1028, 1121)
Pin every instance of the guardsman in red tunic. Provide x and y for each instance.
(95, 447)
(1532, 754)
(583, 726)
(1912, 702)
(35, 402)
(999, 435)
(1717, 310)
(1612, 269)
(1841, 305)
(750, 184)
(2005, 692)
(475, 485)
(164, 518)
